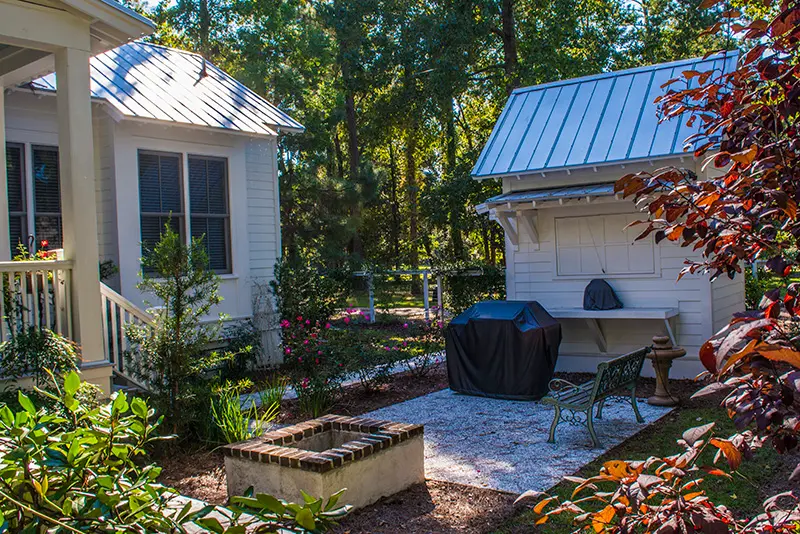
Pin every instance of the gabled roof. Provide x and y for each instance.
(151, 82)
(594, 120)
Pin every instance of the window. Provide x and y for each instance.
(208, 201)
(600, 245)
(17, 199)
(160, 195)
(47, 196)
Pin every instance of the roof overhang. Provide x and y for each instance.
(543, 198)
(596, 167)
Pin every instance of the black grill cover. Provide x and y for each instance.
(599, 295)
(504, 349)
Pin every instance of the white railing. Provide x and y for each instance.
(120, 313)
(35, 294)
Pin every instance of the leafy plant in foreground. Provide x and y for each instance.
(83, 469)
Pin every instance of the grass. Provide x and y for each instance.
(743, 494)
(391, 299)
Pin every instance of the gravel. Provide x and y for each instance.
(502, 444)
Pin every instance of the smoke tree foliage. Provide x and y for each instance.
(749, 120)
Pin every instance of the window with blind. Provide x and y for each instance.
(209, 214)
(160, 196)
(17, 204)
(46, 196)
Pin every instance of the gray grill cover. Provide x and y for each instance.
(504, 349)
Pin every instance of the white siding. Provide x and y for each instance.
(263, 211)
(533, 274)
(728, 298)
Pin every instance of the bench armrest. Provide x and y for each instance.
(557, 385)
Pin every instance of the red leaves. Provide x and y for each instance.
(729, 450)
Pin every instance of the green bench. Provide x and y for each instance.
(578, 401)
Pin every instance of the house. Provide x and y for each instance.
(163, 136)
(558, 149)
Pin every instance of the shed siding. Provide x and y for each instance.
(532, 274)
(263, 217)
(728, 298)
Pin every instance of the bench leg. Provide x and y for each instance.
(600, 408)
(556, 419)
(590, 425)
(639, 418)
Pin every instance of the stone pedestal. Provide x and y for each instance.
(661, 357)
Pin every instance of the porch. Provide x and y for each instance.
(37, 38)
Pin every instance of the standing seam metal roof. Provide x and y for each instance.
(594, 120)
(147, 81)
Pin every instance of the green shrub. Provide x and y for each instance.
(303, 289)
(273, 390)
(243, 343)
(84, 469)
(36, 351)
(234, 422)
(468, 283)
(757, 286)
(171, 356)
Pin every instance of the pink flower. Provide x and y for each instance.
(316, 361)
(288, 350)
(308, 321)
(300, 359)
(405, 343)
(347, 320)
(386, 348)
(394, 348)
(441, 324)
(299, 318)
(327, 325)
(305, 342)
(405, 325)
(319, 353)
(285, 324)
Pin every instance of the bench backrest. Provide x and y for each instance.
(617, 373)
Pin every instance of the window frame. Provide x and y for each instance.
(24, 214)
(35, 212)
(181, 217)
(226, 217)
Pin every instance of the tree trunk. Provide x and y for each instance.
(509, 36)
(356, 245)
(412, 193)
(395, 229)
(449, 120)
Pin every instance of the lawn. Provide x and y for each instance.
(389, 299)
(764, 474)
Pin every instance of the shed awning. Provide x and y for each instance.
(531, 199)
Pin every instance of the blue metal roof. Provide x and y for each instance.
(541, 195)
(594, 120)
(147, 81)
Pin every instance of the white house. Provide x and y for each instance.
(558, 148)
(174, 139)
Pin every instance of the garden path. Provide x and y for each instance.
(502, 444)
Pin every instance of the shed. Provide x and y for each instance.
(558, 149)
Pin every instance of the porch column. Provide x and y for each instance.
(5, 239)
(78, 203)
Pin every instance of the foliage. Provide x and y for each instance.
(423, 347)
(757, 286)
(170, 356)
(746, 210)
(468, 283)
(243, 343)
(272, 391)
(37, 352)
(84, 469)
(235, 422)
(303, 289)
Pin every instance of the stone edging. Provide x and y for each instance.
(270, 448)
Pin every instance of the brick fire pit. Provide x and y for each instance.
(372, 459)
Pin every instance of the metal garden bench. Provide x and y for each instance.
(578, 401)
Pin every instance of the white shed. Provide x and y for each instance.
(559, 148)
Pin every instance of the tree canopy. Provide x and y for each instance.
(398, 98)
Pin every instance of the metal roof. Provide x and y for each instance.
(594, 120)
(554, 193)
(130, 12)
(151, 82)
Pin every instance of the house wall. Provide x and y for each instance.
(253, 188)
(532, 274)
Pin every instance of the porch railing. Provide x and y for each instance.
(120, 313)
(35, 294)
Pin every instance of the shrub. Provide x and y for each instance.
(36, 352)
(243, 344)
(468, 283)
(362, 354)
(422, 348)
(171, 356)
(273, 390)
(234, 422)
(87, 471)
(303, 289)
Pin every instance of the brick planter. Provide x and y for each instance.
(372, 459)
